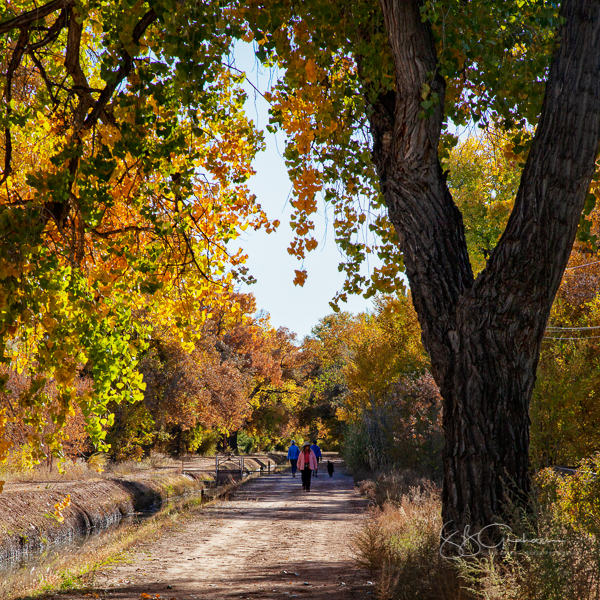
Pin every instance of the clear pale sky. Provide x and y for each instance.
(298, 308)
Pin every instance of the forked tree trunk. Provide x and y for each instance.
(484, 335)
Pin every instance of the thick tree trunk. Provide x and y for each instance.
(484, 336)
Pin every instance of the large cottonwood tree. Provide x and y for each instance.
(483, 334)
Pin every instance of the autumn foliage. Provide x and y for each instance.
(124, 159)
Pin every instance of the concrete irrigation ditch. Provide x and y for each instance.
(30, 523)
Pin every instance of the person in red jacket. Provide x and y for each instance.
(307, 461)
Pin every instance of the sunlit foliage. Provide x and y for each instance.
(124, 155)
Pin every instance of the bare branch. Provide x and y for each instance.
(49, 84)
(53, 32)
(75, 71)
(107, 234)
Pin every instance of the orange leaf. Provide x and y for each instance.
(300, 277)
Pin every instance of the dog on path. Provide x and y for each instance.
(330, 468)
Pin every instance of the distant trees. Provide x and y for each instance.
(355, 373)
(239, 374)
(565, 411)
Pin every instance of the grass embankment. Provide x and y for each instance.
(550, 553)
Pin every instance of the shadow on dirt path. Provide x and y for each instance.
(272, 540)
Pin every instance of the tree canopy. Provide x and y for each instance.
(125, 157)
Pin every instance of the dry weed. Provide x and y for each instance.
(400, 543)
(18, 468)
(553, 552)
(72, 470)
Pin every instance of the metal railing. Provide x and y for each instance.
(239, 466)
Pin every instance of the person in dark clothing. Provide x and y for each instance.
(318, 456)
(330, 468)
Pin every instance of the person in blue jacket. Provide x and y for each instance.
(293, 454)
(318, 454)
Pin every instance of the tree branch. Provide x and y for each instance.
(122, 71)
(526, 267)
(44, 75)
(52, 33)
(107, 234)
(15, 61)
(428, 224)
(75, 71)
(26, 19)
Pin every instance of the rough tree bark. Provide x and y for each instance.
(484, 335)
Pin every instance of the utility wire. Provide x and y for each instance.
(557, 329)
(571, 328)
(591, 337)
(581, 266)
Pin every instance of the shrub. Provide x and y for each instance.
(356, 450)
(399, 545)
(557, 555)
(208, 445)
(400, 430)
(245, 442)
(395, 487)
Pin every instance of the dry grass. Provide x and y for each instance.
(73, 470)
(560, 559)
(17, 469)
(154, 462)
(394, 486)
(400, 543)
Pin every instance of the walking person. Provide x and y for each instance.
(293, 453)
(307, 461)
(318, 456)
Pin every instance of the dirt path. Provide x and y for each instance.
(272, 540)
